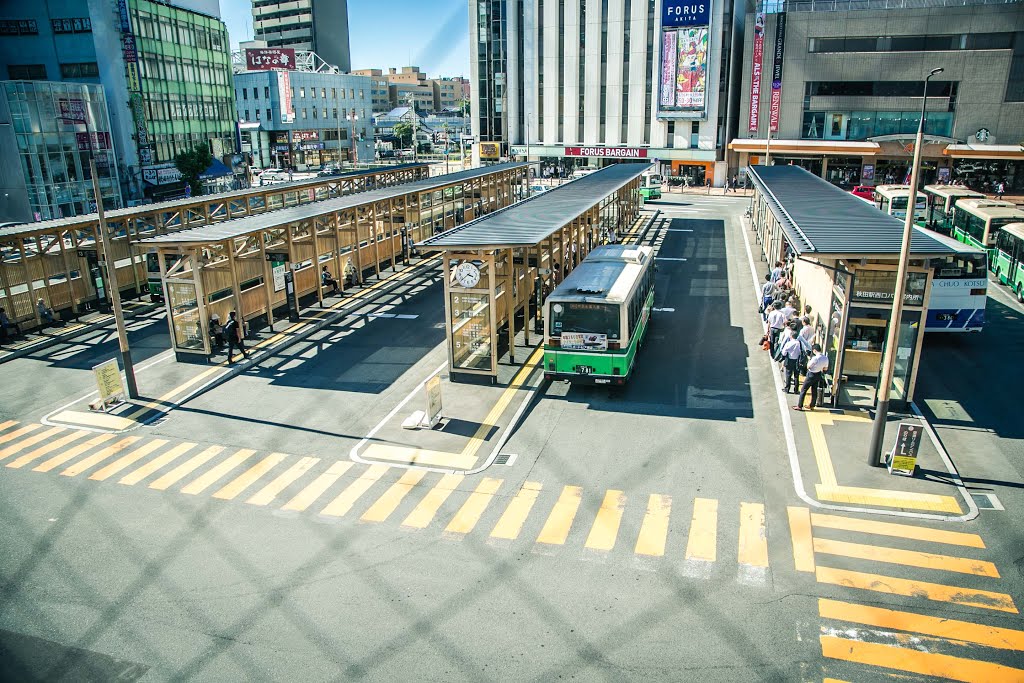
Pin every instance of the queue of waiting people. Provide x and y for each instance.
(790, 337)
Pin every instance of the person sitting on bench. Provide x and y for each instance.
(327, 279)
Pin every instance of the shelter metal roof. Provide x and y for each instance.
(62, 223)
(529, 222)
(225, 230)
(819, 218)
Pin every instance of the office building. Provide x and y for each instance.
(319, 26)
(412, 86)
(45, 166)
(165, 69)
(303, 119)
(852, 86)
(590, 82)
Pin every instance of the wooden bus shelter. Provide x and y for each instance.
(59, 260)
(499, 266)
(250, 264)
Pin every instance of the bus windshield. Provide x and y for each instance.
(961, 266)
(573, 316)
(899, 202)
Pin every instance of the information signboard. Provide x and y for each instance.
(108, 381)
(903, 457)
(432, 389)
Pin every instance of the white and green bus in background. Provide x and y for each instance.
(893, 200)
(650, 185)
(941, 199)
(976, 221)
(596, 319)
(1008, 262)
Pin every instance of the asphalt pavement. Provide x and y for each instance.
(645, 533)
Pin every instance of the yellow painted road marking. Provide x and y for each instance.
(27, 429)
(559, 522)
(917, 533)
(249, 477)
(511, 522)
(654, 530)
(911, 558)
(469, 514)
(888, 498)
(48, 448)
(184, 469)
(915, 661)
(423, 514)
(941, 627)
(915, 589)
(99, 456)
(155, 464)
(215, 473)
(753, 547)
(7, 423)
(30, 441)
(498, 409)
(606, 525)
(387, 503)
(73, 452)
(344, 502)
(79, 418)
(800, 532)
(703, 540)
(307, 496)
(133, 457)
(267, 494)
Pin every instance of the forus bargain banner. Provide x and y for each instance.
(685, 43)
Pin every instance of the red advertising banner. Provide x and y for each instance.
(284, 96)
(755, 73)
(773, 111)
(607, 152)
(71, 111)
(269, 58)
(305, 135)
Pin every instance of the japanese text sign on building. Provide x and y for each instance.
(903, 457)
(269, 58)
(71, 111)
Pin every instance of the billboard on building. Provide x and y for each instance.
(755, 73)
(685, 42)
(780, 50)
(490, 150)
(284, 96)
(269, 58)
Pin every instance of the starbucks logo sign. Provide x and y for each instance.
(982, 135)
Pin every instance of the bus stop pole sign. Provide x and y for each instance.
(902, 459)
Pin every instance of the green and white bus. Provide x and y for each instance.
(941, 201)
(976, 221)
(595, 321)
(893, 200)
(1008, 262)
(650, 185)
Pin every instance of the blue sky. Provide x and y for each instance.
(433, 34)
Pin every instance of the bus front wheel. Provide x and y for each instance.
(1020, 293)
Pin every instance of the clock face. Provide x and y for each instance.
(467, 275)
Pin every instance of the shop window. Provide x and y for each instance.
(814, 125)
(861, 125)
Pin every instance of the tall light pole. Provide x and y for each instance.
(415, 128)
(892, 338)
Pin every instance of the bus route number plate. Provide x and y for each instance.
(945, 316)
(584, 370)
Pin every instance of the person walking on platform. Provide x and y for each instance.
(776, 321)
(790, 353)
(816, 367)
(236, 337)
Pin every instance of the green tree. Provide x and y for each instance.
(191, 164)
(403, 133)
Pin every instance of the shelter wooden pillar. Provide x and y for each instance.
(29, 283)
(374, 234)
(316, 263)
(337, 250)
(8, 296)
(510, 304)
(236, 289)
(268, 279)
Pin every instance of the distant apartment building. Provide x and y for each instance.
(380, 94)
(320, 26)
(450, 92)
(412, 86)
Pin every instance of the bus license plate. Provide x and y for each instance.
(945, 316)
(584, 370)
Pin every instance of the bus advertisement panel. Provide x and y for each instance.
(959, 290)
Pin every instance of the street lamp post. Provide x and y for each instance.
(415, 129)
(352, 118)
(892, 338)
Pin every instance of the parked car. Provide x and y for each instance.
(537, 189)
(274, 174)
(329, 170)
(864, 192)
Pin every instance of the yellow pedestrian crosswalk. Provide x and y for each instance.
(649, 525)
(879, 561)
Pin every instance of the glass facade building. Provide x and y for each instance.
(53, 155)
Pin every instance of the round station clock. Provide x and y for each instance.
(467, 275)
